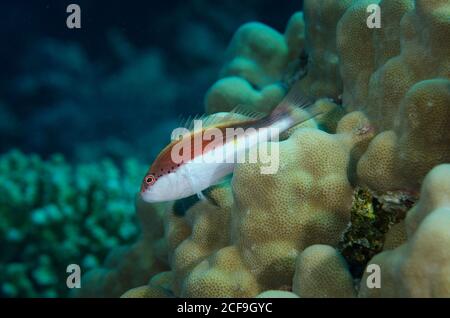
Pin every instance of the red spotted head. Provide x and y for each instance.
(166, 180)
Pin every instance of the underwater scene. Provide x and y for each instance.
(225, 149)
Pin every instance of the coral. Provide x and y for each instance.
(257, 53)
(234, 91)
(186, 236)
(321, 271)
(372, 216)
(294, 35)
(129, 266)
(258, 60)
(399, 157)
(344, 194)
(399, 76)
(363, 50)
(395, 237)
(54, 214)
(249, 242)
(322, 78)
(420, 267)
(144, 292)
(158, 287)
(277, 294)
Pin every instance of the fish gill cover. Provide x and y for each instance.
(362, 190)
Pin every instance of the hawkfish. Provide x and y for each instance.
(170, 178)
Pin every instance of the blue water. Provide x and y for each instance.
(119, 84)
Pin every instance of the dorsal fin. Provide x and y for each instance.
(186, 122)
(294, 99)
(239, 113)
(244, 111)
(207, 121)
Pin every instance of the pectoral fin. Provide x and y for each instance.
(205, 195)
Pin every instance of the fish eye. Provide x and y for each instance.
(150, 179)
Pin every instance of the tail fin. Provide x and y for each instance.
(287, 114)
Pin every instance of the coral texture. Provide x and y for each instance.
(250, 241)
(399, 76)
(395, 237)
(132, 265)
(270, 234)
(320, 271)
(323, 78)
(158, 287)
(54, 214)
(420, 267)
(258, 59)
(277, 294)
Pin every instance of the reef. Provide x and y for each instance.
(134, 265)
(419, 267)
(367, 185)
(372, 216)
(53, 213)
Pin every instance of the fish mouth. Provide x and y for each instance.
(145, 196)
(149, 197)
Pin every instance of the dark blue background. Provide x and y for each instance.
(117, 86)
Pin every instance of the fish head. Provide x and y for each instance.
(168, 187)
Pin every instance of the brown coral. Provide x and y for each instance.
(421, 266)
(322, 272)
(249, 244)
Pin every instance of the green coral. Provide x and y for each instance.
(53, 214)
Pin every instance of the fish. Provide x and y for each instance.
(170, 179)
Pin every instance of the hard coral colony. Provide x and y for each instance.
(54, 214)
(370, 187)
